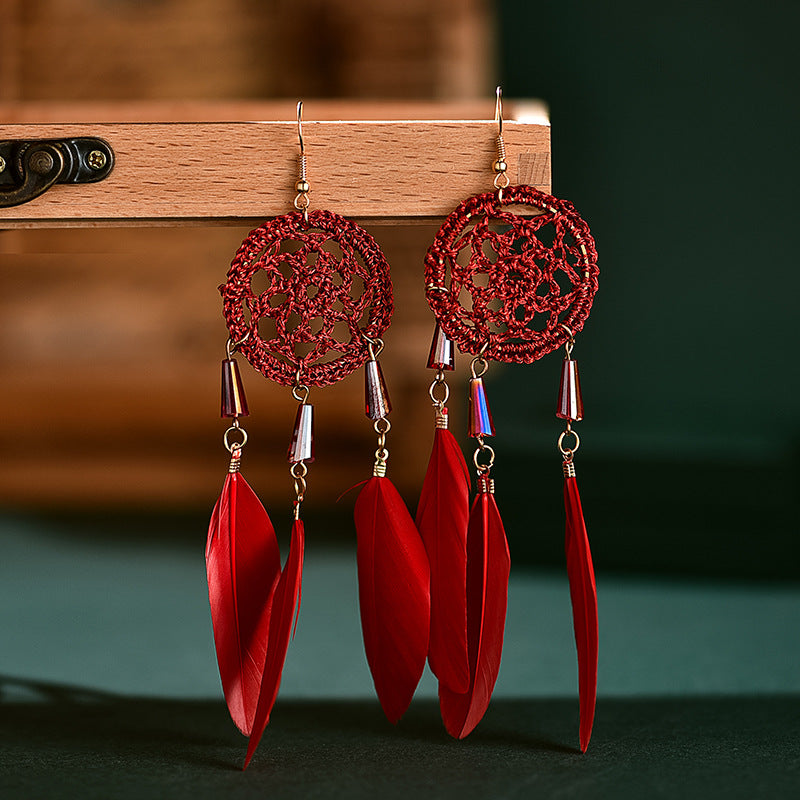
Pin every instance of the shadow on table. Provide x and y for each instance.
(60, 741)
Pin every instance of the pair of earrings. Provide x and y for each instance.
(434, 588)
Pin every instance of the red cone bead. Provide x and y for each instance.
(442, 354)
(377, 403)
(302, 446)
(234, 403)
(570, 402)
(480, 417)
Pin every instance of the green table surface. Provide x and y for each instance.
(109, 687)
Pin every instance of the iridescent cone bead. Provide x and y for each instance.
(302, 445)
(480, 417)
(377, 402)
(234, 403)
(570, 402)
(442, 354)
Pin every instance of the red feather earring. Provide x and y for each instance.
(393, 573)
(243, 566)
(480, 566)
(311, 263)
(580, 569)
(443, 519)
(531, 281)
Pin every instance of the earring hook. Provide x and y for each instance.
(300, 126)
(302, 187)
(498, 110)
(500, 165)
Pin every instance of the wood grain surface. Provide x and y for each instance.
(220, 171)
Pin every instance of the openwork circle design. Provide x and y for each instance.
(302, 298)
(508, 283)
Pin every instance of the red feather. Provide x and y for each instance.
(285, 604)
(488, 566)
(393, 593)
(442, 520)
(583, 591)
(242, 565)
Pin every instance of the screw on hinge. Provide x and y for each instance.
(97, 159)
(2, 164)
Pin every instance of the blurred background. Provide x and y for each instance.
(673, 133)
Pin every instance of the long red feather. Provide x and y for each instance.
(285, 604)
(488, 566)
(442, 520)
(583, 591)
(242, 566)
(393, 593)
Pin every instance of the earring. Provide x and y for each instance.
(531, 281)
(243, 566)
(442, 520)
(393, 572)
(312, 263)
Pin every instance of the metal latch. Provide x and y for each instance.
(29, 168)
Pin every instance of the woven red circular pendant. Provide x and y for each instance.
(301, 298)
(510, 283)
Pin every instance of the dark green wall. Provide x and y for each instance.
(674, 133)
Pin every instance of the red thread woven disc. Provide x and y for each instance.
(498, 279)
(301, 297)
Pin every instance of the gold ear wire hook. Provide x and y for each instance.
(302, 187)
(300, 126)
(500, 165)
(498, 110)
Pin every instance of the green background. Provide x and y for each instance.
(674, 134)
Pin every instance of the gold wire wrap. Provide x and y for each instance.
(483, 449)
(234, 428)
(570, 343)
(439, 403)
(485, 484)
(298, 471)
(479, 359)
(236, 459)
(382, 427)
(300, 390)
(568, 452)
(374, 346)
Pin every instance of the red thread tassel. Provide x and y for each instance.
(285, 604)
(442, 520)
(242, 566)
(488, 566)
(583, 591)
(393, 593)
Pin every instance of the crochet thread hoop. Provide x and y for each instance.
(510, 284)
(323, 288)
